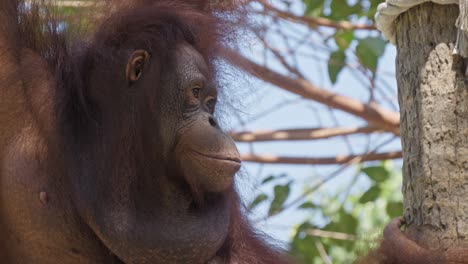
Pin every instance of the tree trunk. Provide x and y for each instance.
(433, 98)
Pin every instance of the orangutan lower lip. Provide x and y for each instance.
(219, 157)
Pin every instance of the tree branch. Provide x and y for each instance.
(301, 134)
(315, 21)
(71, 3)
(330, 234)
(372, 113)
(319, 161)
(322, 252)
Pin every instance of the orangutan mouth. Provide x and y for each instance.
(220, 157)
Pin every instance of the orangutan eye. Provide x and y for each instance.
(196, 92)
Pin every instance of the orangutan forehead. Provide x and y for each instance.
(190, 61)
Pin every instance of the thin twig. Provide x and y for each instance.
(313, 22)
(330, 234)
(66, 3)
(301, 134)
(271, 159)
(322, 252)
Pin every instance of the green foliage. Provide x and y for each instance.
(394, 209)
(281, 193)
(371, 195)
(357, 219)
(258, 200)
(377, 173)
(335, 64)
(278, 198)
(314, 7)
(308, 205)
(343, 39)
(341, 9)
(369, 50)
(272, 178)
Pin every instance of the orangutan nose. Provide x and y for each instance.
(213, 122)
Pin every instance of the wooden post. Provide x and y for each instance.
(433, 97)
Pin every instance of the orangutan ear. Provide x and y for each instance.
(135, 65)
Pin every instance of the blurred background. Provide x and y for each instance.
(313, 108)
(322, 170)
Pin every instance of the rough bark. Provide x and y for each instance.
(433, 96)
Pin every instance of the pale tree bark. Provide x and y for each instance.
(433, 96)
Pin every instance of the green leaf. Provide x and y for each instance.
(303, 227)
(345, 223)
(377, 173)
(335, 64)
(348, 223)
(304, 249)
(313, 7)
(369, 50)
(308, 205)
(281, 194)
(268, 179)
(258, 200)
(371, 195)
(373, 8)
(394, 209)
(273, 177)
(339, 9)
(356, 9)
(343, 38)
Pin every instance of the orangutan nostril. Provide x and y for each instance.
(213, 122)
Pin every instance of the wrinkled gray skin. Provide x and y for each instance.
(151, 186)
